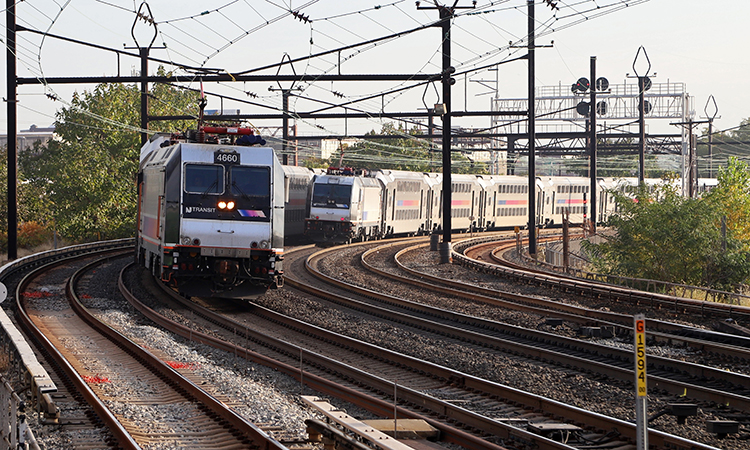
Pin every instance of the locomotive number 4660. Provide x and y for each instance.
(226, 158)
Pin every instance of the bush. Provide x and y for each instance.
(32, 234)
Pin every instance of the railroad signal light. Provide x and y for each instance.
(602, 84)
(647, 107)
(583, 108)
(601, 108)
(647, 83)
(582, 85)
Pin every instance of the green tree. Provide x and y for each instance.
(732, 196)
(33, 207)
(660, 235)
(87, 175)
(410, 152)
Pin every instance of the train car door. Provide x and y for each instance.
(384, 210)
(540, 207)
(482, 216)
(604, 199)
(472, 216)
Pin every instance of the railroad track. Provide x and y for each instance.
(109, 373)
(312, 355)
(678, 377)
(466, 392)
(589, 319)
(595, 289)
(731, 346)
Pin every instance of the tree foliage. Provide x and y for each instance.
(86, 176)
(34, 216)
(410, 152)
(734, 142)
(660, 235)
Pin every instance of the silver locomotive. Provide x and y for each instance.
(211, 216)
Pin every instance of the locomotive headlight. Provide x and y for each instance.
(226, 205)
(186, 240)
(264, 244)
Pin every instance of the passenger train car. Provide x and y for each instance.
(211, 216)
(348, 205)
(297, 181)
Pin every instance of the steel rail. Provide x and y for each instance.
(618, 367)
(125, 440)
(659, 438)
(323, 385)
(598, 289)
(730, 346)
(660, 331)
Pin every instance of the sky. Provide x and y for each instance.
(701, 44)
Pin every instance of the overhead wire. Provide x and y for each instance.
(395, 3)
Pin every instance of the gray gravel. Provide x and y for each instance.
(269, 398)
(256, 392)
(591, 392)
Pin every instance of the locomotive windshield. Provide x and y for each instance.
(204, 179)
(252, 183)
(331, 195)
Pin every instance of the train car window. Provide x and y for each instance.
(253, 182)
(331, 195)
(204, 179)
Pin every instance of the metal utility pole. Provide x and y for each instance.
(641, 131)
(144, 94)
(285, 125)
(12, 87)
(285, 94)
(446, 15)
(593, 110)
(144, 52)
(532, 131)
(711, 118)
(445, 247)
(532, 123)
(692, 161)
(644, 83)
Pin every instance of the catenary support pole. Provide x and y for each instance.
(641, 129)
(144, 94)
(592, 160)
(532, 132)
(445, 246)
(12, 87)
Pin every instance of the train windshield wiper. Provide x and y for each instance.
(242, 193)
(205, 193)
